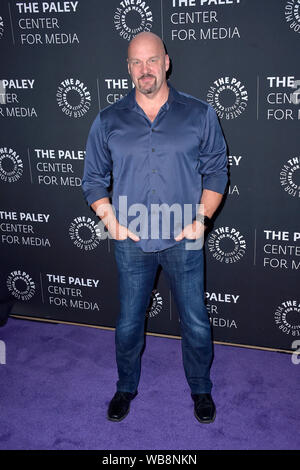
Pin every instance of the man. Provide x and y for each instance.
(158, 144)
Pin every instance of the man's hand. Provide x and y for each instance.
(119, 232)
(210, 200)
(192, 231)
(104, 211)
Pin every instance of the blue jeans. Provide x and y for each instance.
(184, 271)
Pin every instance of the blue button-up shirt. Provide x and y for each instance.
(158, 167)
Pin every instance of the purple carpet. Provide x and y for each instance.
(58, 380)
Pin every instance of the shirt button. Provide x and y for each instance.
(153, 171)
(153, 150)
(153, 191)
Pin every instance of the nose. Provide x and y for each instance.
(144, 68)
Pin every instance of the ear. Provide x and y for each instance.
(167, 62)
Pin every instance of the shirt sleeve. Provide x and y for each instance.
(97, 164)
(213, 155)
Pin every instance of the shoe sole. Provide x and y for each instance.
(205, 421)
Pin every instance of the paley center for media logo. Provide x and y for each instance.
(227, 244)
(85, 233)
(228, 96)
(156, 304)
(292, 14)
(287, 317)
(1, 27)
(12, 93)
(290, 176)
(132, 17)
(11, 165)
(20, 284)
(73, 98)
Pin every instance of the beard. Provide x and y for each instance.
(149, 88)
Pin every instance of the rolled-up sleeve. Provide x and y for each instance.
(97, 164)
(213, 155)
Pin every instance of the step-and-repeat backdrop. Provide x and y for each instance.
(63, 61)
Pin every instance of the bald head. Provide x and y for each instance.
(146, 39)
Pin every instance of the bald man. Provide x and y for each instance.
(167, 155)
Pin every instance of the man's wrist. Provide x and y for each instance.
(204, 220)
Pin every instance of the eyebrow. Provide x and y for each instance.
(152, 57)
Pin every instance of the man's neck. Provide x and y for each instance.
(153, 101)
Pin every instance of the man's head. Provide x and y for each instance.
(147, 63)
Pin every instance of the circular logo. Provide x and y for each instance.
(1, 27)
(11, 165)
(20, 285)
(290, 177)
(155, 306)
(73, 98)
(131, 19)
(287, 317)
(292, 14)
(85, 233)
(227, 245)
(228, 97)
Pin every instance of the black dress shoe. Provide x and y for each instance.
(119, 406)
(204, 407)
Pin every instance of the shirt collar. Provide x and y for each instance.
(129, 101)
